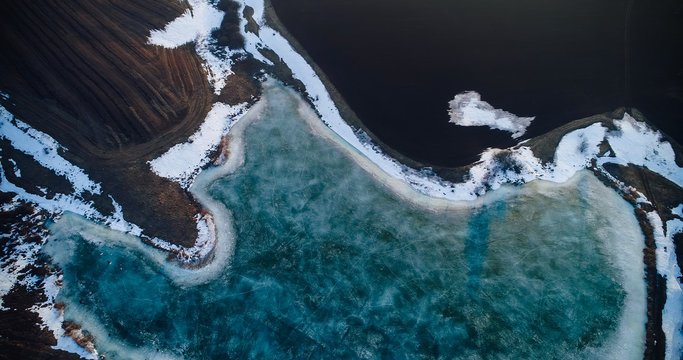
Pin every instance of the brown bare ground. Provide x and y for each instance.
(82, 72)
(22, 337)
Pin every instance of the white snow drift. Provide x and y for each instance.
(196, 25)
(182, 162)
(44, 149)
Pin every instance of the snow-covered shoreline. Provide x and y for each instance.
(632, 142)
(21, 268)
(578, 149)
(182, 162)
(672, 315)
(44, 149)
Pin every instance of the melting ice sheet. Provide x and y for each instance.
(329, 263)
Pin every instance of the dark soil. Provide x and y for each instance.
(22, 337)
(83, 73)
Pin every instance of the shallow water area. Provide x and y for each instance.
(329, 263)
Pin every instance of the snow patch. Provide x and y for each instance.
(13, 266)
(576, 150)
(53, 318)
(678, 210)
(116, 221)
(182, 162)
(217, 70)
(16, 267)
(196, 25)
(44, 149)
(58, 204)
(667, 266)
(15, 168)
(636, 143)
(467, 109)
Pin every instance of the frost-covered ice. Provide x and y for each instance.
(633, 143)
(467, 109)
(182, 162)
(44, 149)
(667, 266)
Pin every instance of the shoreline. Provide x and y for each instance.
(654, 322)
(410, 186)
(344, 109)
(655, 292)
(33, 324)
(237, 151)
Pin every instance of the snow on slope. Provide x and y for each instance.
(182, 162)
(53, 319)
(636, 143)
(467, 109)
(22, 257)
(667, 266)
(192, 24)
(19, 267)
(196, 25)
(44, 149)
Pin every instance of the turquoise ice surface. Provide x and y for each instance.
(329, 263)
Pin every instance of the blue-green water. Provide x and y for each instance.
(329, 263)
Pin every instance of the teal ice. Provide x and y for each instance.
(329, 263)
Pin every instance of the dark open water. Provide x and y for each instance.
(398, 63)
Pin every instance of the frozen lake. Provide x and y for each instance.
(330, 263)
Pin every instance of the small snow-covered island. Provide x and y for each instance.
(181, 180)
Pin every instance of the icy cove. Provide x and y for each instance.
(330, 263)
